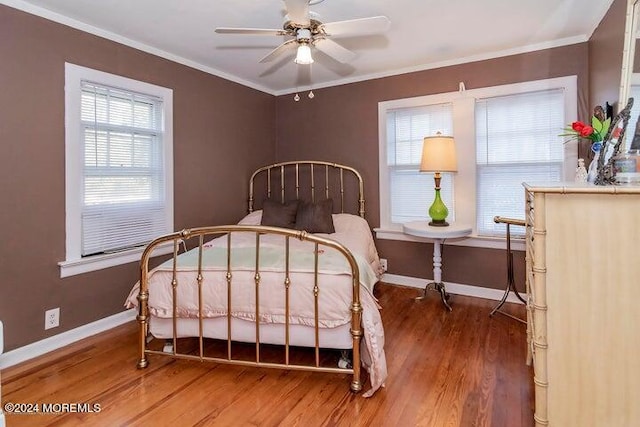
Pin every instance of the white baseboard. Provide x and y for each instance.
(452, 288)
(55, 342)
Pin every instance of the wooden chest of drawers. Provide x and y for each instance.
(583, 316)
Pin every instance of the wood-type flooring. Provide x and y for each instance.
(460, 368)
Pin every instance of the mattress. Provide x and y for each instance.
(245, 331)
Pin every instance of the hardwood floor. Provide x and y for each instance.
(445, 369)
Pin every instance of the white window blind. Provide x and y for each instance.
(412, 191)
(123, 191)
(516, 141)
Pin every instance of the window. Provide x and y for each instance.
(119, 184)
(505, 135)
(516, 141)
(411, 191)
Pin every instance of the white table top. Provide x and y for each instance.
(423, 229)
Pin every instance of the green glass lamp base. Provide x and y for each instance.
(438, 211)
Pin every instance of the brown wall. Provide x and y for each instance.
(341, 124)
(212, 144)
(214, 153)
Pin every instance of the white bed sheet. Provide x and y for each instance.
(245, 331)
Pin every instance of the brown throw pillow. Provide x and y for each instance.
(315, 217)
(278, 214)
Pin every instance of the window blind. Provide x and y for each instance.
(412, 191)
(123, 202)
(516, 141)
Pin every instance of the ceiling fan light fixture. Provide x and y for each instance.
(303, 29)
(303, 57)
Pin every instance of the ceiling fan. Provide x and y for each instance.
(308, 32)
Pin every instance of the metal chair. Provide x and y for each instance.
(511, 285)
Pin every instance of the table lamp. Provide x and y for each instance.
(438, 155)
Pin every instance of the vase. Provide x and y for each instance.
(592, 172)
(438, 211)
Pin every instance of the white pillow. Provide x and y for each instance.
(254, 218)
(353, 231)
(344, 222)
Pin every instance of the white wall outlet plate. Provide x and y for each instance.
(52, 318)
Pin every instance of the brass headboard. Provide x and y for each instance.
(313, 170)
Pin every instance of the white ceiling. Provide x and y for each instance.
(424, 33)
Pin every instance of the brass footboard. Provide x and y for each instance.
(209, 232)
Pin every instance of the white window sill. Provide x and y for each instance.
(99, 262)
(474, 241)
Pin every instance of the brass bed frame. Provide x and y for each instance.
(272, 172)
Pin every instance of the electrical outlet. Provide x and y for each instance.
(383, 264)
(52, 318)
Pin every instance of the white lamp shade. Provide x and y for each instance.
(304, 55)
(439, 154)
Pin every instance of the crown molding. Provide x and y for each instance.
(70, 22)
(430, 66)
(73, 23)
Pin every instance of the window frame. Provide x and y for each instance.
(74, 262)
(401, 168)
(465, 191)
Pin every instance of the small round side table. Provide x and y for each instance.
(438, 234)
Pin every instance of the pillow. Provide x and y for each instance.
(354, 232)
(278, 214)
(315, 217)
(253, 218)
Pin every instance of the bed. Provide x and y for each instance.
(298, 272)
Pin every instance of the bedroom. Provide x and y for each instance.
(212, 114)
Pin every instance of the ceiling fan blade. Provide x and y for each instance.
(357, 27)
(277, 51)
(334, 50)
(256, 31)
(298, 11)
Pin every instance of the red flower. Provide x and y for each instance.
(577, 126)
(586, 131)
(594, 130)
